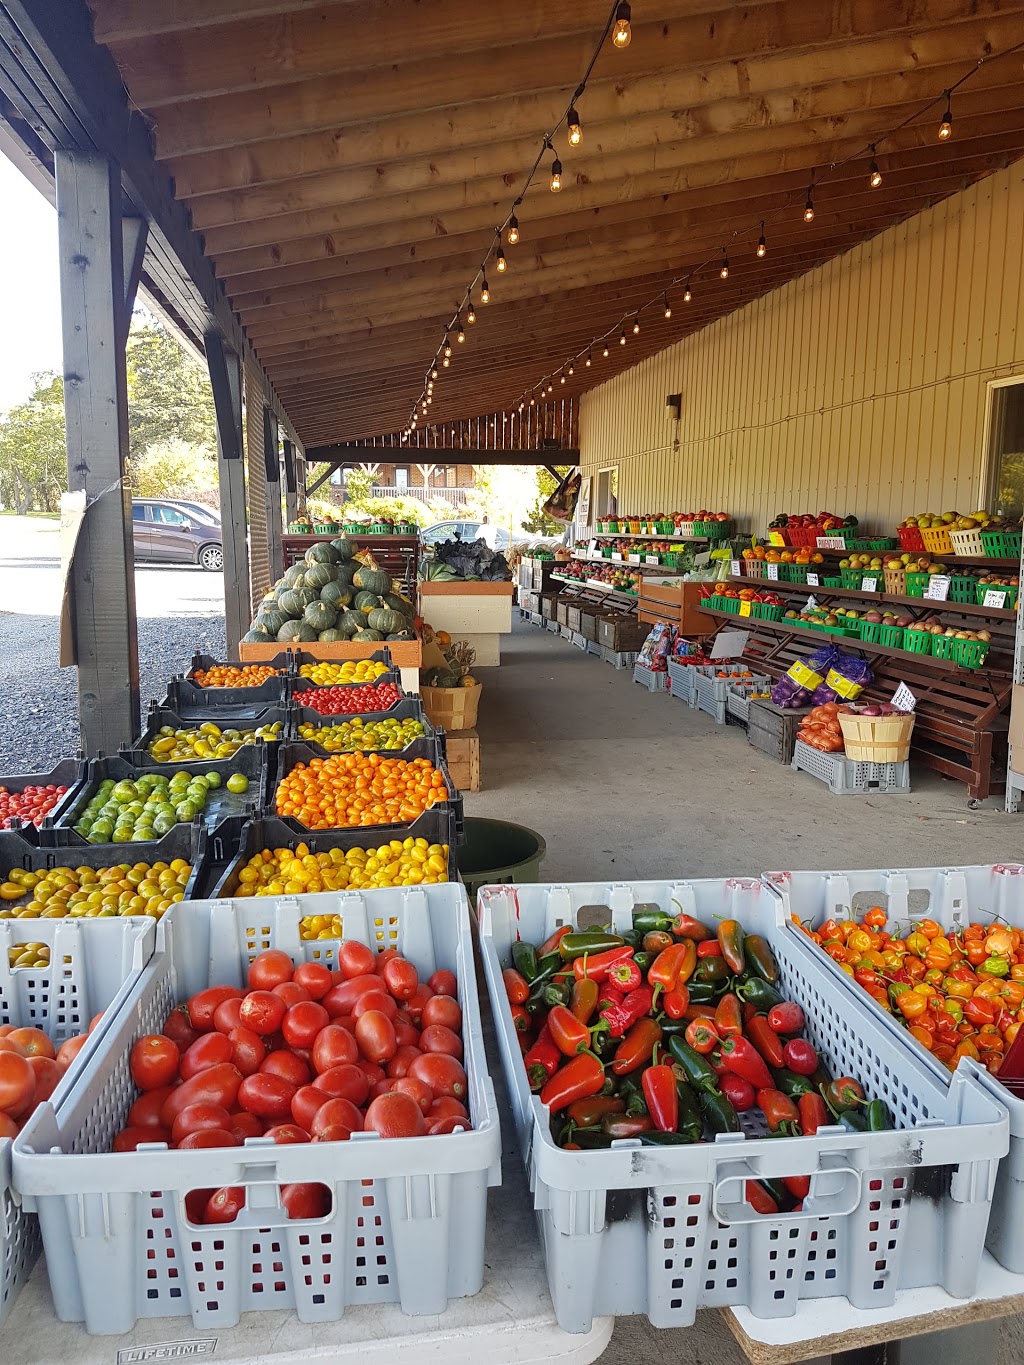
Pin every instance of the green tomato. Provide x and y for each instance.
(124, 792)
(213, 780)
(238, 782)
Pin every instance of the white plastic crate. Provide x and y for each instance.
(594, 648)
(705, 693)
(408, 1216)
(650, 678)
(93, 965)
(848, 777)
(680, 680)
(619, 658)
(553, 626)
(580, 641)
(661, 1231)
(955, 897)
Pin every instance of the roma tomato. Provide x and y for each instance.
(8, 1128)
(443, 1010)
(262, 1011)
(446, 1107)
(269, 969)
(355, 959)
(314, 978)
(444, 983)
(445, 1075)
(345, 1082)
(226, 1015)
(340, 999)
(400, 977)
(210, 1050)
(178, 1028)
(286, 1065)
(406, 1033)
(416, 1004)
(416, 1090)
(224, 1205)
(375, 1035)
(153, 1061)
(438, 1038)
(247, 1050)
(306, 1201)
(195, 1205)
(334, 1046)
(68, 1051)
(383, 1087)
(194, 1118)
(371, 1071)
(202, 1005)
(285, 1133)
(245, 1125)
(145, 1112)
(33, 1042)
(303, 1022)
(267, 1095)
(399, 1064)
(47, 1074)
(208, 1137)
(306, 1102)
(17, 1083)
(216, 1085)
(128, 1139)
(375, 1000)
(291, 993)
(337, 1113)
(395, 1115)
(447, 1125)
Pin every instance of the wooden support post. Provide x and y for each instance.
(272, 459)
(291, 492)
(226, 381)
(97, 294)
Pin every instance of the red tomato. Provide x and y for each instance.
(209, 1050)
(338, 1132)
(178, 1028)
(344, 1082)
(202, 1005)
(95, 1021)
(437, 1038)
(195, 1205)
(447, 1125)
(406, 1034)
(226, 1015)
(286, 1065)
(375, 1035)
(400, 977)
(306, 1102)
(67, 1052)
(414, 1006)
(444, 983)
(337, 1113)
(247, 1050)
(303, 1022)
(195, 1118)
(306, 1201)
(383, 958)
(7, 1046)
(47, 1074)
(291, 993)
(378, 1001)
(355, 959)
(340, 999)
(145, 1112)
(129, 1138)
(17, 1083)
(33, 1042)
(371, 1071)
(8, 1128)
(333, 1047)
(444, 1010)
(216, 1085)
(245, 1125)
(314, 978)
(399, 1064)
(446, 1107)
(442, 1073)
(395, 1115)
(153, 1061)
(208, 1137)
(224, 1205)
(267, 1095)
(416, 1090)
(269, 969)
(5, 1029)
(383, 1087)
(262, 1011)
(285, 1133)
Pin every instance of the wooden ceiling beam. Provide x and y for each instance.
(686, 103)
(633, 149)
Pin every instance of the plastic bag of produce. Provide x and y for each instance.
(848, 676)
(788, 693)
(657, 647)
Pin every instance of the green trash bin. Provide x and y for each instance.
(499, 851)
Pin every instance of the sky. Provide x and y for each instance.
(29, 287)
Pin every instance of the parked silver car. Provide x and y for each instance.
(166, 533)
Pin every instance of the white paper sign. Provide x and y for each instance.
(903, 698)
(592, 548)
(831, 543)
(813, 580)
(617, 556)
(729, 644)
(651, 559)
(938, 588)
(736, 569)
(703, 558)
(773, 571)
(869, 584)
(995, 597)
(633, 559)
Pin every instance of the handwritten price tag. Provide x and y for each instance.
(745, 608)
(869, 585)
(903, 698)
(813, 581)
(633, 559)
(735, 568)
(773, 571)
(938, 589)
(995, 597)
(651, 559)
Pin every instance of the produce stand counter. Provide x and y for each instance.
(479, 613)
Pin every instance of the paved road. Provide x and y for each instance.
(180, 609)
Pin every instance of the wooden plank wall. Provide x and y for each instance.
(860, 387)
(256, 483)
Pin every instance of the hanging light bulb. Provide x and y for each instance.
(590, 359)
(874, 174)
(521, 406)
(447, 345)
(512, 232)
(551, 387)
(500, 262)
(433, 373)
(575, 128)
(668, 306)
(946, 126)
(471, 313)
(621, 33)
(532, 400)
(430, 399)
(724, 271)
(561, 379)
(622, 338)
(572, 369)
(687, 295)
(556, 176)
(762, 245)
(460, 335)
(636, 326)
(809, 206)
(446, 361)
(485, 291)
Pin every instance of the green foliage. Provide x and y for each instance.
(33, 463)
(536, 521)
(169, 396)
(174, 469)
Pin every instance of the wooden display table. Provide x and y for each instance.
(475, 612)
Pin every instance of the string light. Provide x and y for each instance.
(687, 294)
(874, 174)
(512, 231)
(446, 362)
(471, 314)
(500, 262)
(556, 176)
(946, 126)
(621, 33)
(622, 338)
(532, 400)
(809, 206)
(636, 326)
(551, 387)
(605, 351)
(485, 291)
(572, 369)
(447, 346)
(575, 128)
(433, 373)
(590, 359)
(724, 271)
(668, 306)
(561, 379)
(460, 335)
(762, 245)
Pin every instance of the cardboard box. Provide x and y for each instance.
(1017, 730)
(463, 759)
(677, 604)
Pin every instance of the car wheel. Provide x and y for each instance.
(211, 558)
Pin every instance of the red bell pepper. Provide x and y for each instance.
(675, 1002)
(542, 1060)
(517, 988)
(635, 1049)
(596, 965)
(780, 1111)
(569, 1034)
(730, 940)
(618, 1018)
(767, 1041)
(701, 1035)
(728, 1017)
(743, 1059)
(659, 1086)
(584, 999)
(577, 1080)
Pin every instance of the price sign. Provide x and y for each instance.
(903, 698)
(773, 571)
(831, 543)
(699, 560)
(617, 555)
(592, 549)
(813, 581)
(745, 608)
(869, 584)
(735, 568)
(651, 559)
(995, 597)
(633, 559)
(938, 588)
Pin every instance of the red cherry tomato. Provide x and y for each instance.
(303, 1022)
(400, 977)
(128, 1139)
(306, 1201)
(437, 1038)
(247, 1050)
(406, 1033)
(314, 978)
(226, 1015)
(269, 969)
(17, 1083)
(344, 1082)
(209, 1050)
(195, 1118)
(355, 959)
(306, 1102)
(145, 1112)
(153, 1061)
(207, 1137)
(371, 1071)
(375, 1035)
(337, 1113)
(333, 1047)
(262, 1011)
(202, 1005)
(267, 1095)
(442, 1073)
(224, 1205)
(443, 1010)
(395, 1115)
(340, 998)
(8, 1128)
(444, 983)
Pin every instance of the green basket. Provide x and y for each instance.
(1000, 545)
(917, 642)
(871, 632)
(353, 528)
(407, 528)
(381, 528)
(944, 646)
(962, 588)
(831, 582)
(665, 528)
(876, 546)
(766, 611)
(795, 573)
(891, 636)
(916, 584)
(970, 653)
(850, 578)
(851, 632)
(982, 588)
(326, 528)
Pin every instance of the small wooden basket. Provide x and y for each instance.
(877, 739)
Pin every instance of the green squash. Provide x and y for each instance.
(257, 636)
(294, 631)
(271, 619)
(320, 616)
(330, 637)
(336, 595)
(321, 553)
(403, 635)
(291, 603)
(402, 604)
(366, 601)
(384, 619)
(344, 548)
(350, 621)
(308, 596)
(362, 635)
(373, 580)
(293, 575)
(318, 576)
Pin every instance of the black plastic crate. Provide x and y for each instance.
(436, 825)
(160, 716)
(69, 772)
(409, 708)
(379, 656)
(297, 686)
(194, 703)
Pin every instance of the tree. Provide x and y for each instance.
(169, 397)
(174, 469)
(33, 459)
(511, 496)
(537, 520)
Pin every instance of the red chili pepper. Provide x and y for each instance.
(659, 1086)
(584, 999)
(685, 926)
(766, 1040)
(618, 1018)
(709, 948)
(526, 1041)
(699, 1011)
(588, 1113)
(730, 940)
(759, 1199)
(701, 1035)
(798, 1185)
(636, 1048)
(676, 1002)
(728, 1016)
(550, 945)
(596, 965)
(609, 994)
(517, 988)
(718, 1064)
(625, 974)
(521, 1019)
(786, 1018)
(542, 1060)
(570, 1036)
(743, 1059)
(780, 1111)
(813, 1114)
(844, 1093)
(749, 1012)
(738, 1092)
(626, 1125)
(801, 1057)
(579, 1078)
(674, 966)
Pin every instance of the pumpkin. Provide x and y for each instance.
(308, 595)
(293, 575)
(367, 635)
(351, 621)
(256, 636)
(366, 601)
(270, 618)
(293, 631)
(291, 603)
(344, 548)
(386, 620)
(402, 635)
(373, 580)
(336, 595)
(442, 637)
(402, 604)
(344, 574)
(318, 576)
(321, 553)
(330, 637)
(320, 615)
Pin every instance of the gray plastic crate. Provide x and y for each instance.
(619, 658)
(650, 678)
(69, 772)
(705, 691)
(553, 626)
(579, 640)
(680, 680)
(408, 1216)
(594, 648)
(847, 777)
(955, 897)
(663, 1231)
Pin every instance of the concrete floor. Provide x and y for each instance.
(627, 784)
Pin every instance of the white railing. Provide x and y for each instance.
(456, 496)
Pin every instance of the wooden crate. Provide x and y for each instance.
(548, 604)
(463, 759)
(572, 618)
(562, 611)
(404, 653)
(590, 619)
(677, 604)
(621, 634)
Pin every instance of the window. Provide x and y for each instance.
(451, 477)
(401, 479)
(1006, 449)
(607, 504)
(138, 513)
(169, 516)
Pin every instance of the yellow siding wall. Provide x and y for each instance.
(860, 387)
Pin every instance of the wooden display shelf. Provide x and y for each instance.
(931, 604)
(888, 554)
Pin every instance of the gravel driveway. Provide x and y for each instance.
(180, 610)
